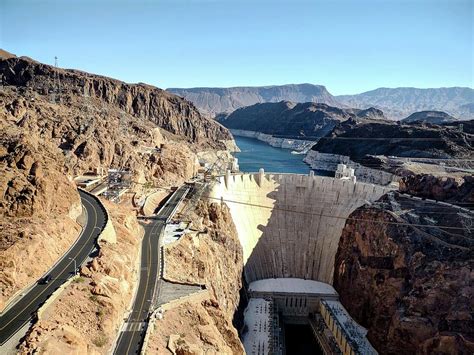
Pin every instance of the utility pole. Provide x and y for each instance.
(56, 83)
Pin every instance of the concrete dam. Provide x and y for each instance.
(289, 225)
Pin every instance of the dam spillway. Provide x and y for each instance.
(289, 225)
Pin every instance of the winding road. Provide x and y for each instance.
(133, 331)
(16, 316)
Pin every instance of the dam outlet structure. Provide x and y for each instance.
(289, 226)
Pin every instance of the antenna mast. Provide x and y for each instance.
(56, 83)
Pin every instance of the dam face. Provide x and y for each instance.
(289, 225)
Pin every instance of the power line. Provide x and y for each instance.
(275, 208)
(457, 204)
(332, 216)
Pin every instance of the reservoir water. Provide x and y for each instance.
(256, 154)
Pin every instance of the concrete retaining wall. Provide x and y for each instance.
(289, 225)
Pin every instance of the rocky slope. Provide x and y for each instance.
(398, 103)
(211, 257)
(51, 132)
(146, 102)
(440, 189)
(304, 120)
(358, 138)
(409, 285)
(85, 317)
(212, 101)
(434, 117)
(34, 190)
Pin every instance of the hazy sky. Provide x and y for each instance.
(350, 46)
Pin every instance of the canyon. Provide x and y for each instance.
(364, 258)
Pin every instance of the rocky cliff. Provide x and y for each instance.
(212, 101)
(359, 138)
(403, 270)
(33, 190)
(304, 120)
(141, 101)
(211, 256)
(398, 103)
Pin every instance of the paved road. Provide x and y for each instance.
(133, 332)
(22, 311)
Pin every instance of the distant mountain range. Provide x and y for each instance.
(401, 102)
(212, 101)
(396, 103)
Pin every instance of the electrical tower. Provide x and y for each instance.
(56, 90)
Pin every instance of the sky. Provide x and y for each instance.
(350, 46)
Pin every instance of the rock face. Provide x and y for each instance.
(440, 189)
(113, 125)
(358, 138)
(212, 256)
(434, 117)
(168, 111)
(212, 101)
(409, 285)
(398, 103)
(33, 190)
(305, 120)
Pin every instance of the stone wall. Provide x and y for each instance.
(289, 225)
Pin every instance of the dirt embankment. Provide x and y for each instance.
(85, 318)
(212, 257)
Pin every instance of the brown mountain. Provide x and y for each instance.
(58, 123)
(168, 111)
(302, 120)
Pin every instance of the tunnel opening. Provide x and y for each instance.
(300, 340)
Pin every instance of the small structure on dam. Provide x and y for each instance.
(289, 226)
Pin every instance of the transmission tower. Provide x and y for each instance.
(56, 90)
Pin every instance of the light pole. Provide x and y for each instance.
(75, 265)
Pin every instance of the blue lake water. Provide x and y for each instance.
(256, 154)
